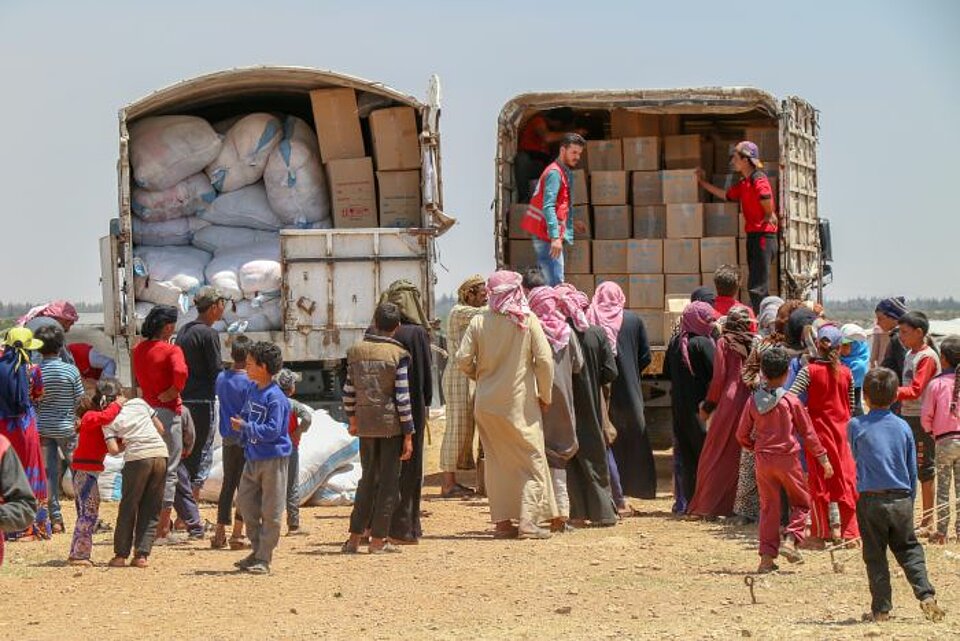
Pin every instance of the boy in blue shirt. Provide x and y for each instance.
(883, 447)
(263, 427)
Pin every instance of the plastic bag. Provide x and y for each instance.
(244, 153)
(189, 196)
(167, 149)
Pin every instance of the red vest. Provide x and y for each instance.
(81, 356)
(534, 221)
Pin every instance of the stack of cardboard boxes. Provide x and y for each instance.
(350, 171)
(651, 232)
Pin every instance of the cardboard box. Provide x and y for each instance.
(724, 182)
(612, 222)
(680, 285)
(521, 254)
(680, 186)
(673, 306)
(721, 219)
(717, 251)
(604, 155)
(623, 280)
(584, 282)
(722, 150)
(580, 195)
(399, 198)
(681, 256)
(670, 125)
(641, 154)
(582, 213)
(396, 143)
(682, 152)
(353, 193)
(646, 291)
(644, 256)
(515, 215)
(576, 258)
(608, 187)
(610, 256)
(685, 221)
(338, 124)
(767, 140)
(646, 188)
(631, 124)
(653, 323)
(650, 221)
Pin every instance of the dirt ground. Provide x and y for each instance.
(651, 577)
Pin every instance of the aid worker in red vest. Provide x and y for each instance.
(549, 218)
(756, 199)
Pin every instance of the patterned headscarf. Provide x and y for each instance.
(58, 309)
(767, 317)
(606, 310)
(697, 320)
(505, 289)
(894, 307)
(736, 330)
(544, 302)
(572, 303)
(406, 296)
(466, 286)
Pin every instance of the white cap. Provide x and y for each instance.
(851, 332)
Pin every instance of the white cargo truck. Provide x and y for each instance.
(332, 279)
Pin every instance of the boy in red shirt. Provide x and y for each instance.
(772, 426)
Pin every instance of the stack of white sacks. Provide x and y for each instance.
(208, 204)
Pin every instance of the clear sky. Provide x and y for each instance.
(885, 75)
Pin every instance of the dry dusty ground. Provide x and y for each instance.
(652, 577)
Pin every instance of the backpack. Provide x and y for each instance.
(14, 383)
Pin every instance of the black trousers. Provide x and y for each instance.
(406, 517)
(141, 497)
(926, 449)
(527, 167)
(887, 521)
(202, 414)
(379, 486)
(233, 460)
(761, 252)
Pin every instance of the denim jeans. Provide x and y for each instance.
(53, 449)
(552, 268)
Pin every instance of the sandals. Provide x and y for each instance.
(219, 541)
(510, 533)
(457, 491)
(349, 548)
(767, 569)
(117, 562)
(386, 548)
(139, 562)
(237, 544)
(81, 563)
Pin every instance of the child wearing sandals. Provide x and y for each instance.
(772, 426)
(137, 432)
(95, 412)
(940, 416)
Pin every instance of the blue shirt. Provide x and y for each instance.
(551, 187)
(232, 387)
(266, 424)
(882, 444)
(62, 389)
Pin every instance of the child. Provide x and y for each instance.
(95, 412)
(920, 365)
(855, 354)
(263, 428)
(376, 397)
(726, 280)
(301, 416)
(772, 425)
(232, 388)
(18, 506)
(143, 479)
(828, 385)
(883, 447)
(941, 419)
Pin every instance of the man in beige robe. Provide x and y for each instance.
(506, 352)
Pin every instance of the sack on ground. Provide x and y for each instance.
(189, 196)
(294, 179)
(167, 149)
(178, 231)
(244, 153)
(218, 238)
(245, 207)
(340, 488)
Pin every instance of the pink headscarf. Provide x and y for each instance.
(544, 302)
(58, 309)
(572, 304)
(697, 320)
(505, 290)
(606, 310)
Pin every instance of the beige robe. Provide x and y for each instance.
(513, 369)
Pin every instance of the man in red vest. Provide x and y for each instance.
(549, 218)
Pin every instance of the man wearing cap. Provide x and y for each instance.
(888, 312)
(757, 203)
(201, 349)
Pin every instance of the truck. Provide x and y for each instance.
(332, 279)
(719, 115)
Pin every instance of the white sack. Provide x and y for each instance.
(217, 238)
(246, 207)
(257, 265)
(254, 316)
(244, 153)
(167, 149)
(178, 231)
(295, 183)
(340, 488)
(109, 482)
(189, 196)
(168, 275)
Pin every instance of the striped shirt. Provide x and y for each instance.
(62, 389)
(401, 395)
(802, 383)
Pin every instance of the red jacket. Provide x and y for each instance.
(91, 446)
(534, 221)
(81, 357)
